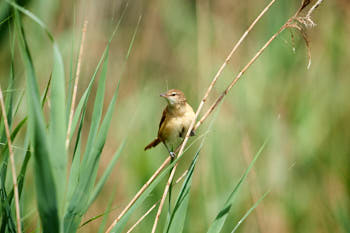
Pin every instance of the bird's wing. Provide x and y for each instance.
(163, 118)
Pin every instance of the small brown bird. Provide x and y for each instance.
(176, 119)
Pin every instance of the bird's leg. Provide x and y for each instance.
(172, 154)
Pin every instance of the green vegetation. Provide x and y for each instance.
(236, 180)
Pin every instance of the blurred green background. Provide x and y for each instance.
(181, 44)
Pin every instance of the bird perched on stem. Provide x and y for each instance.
(176, 119)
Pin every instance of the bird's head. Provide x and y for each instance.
(174, 97)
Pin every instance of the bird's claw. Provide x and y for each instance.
(172, 154)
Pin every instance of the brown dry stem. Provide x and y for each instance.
(76, 82)
(142, 217)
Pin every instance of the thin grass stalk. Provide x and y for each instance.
(228, 58)
(163, 198)
(76, 82)
(220, 98)
(181, 177)
(12, 159)
(239, 75)
(288, 24)
(143, 216)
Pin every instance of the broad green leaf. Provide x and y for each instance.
(57, 128)
(44, 180)
(178, 215)
(57, 148)
(74, 171)
(27, 152)
(222, 215)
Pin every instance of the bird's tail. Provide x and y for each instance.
(154, 143)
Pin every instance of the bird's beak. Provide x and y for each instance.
(163, 95)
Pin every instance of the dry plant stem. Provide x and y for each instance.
(288, 24)
(228, 58)
(181, 177)
(143, 216)
(12, 159)
(77, 75)
(138, 194)
(196, 116)
(313, 8)
(220, 98)
(163, 198)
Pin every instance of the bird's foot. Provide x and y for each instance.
(172, 154)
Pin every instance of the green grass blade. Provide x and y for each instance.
(249, 211)
(8, 107)
(7, 222)
(106, 214)
(45, 185)
(75, 168)
(33, 17)
(21, 175)
(81, 110)
(178, 215)
(71, 65)
(17, 105)
(109, 209)
(57, 128)
(44, 96)
(96, 150)
(106, 174)
(74, 171)
(97, 110)
(24, 120)
(219, 221)
(80, 199)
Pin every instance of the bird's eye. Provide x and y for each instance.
(173, 94)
